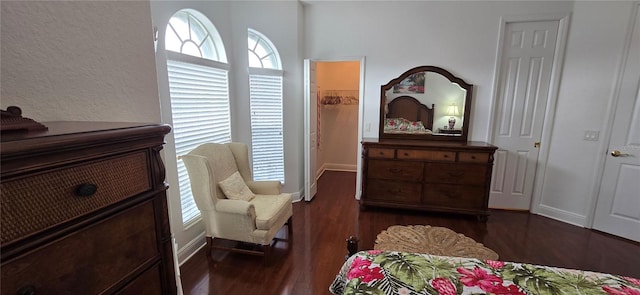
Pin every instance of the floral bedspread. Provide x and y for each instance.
(400, 273)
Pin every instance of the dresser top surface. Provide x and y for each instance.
(425, 143)
(62, 128)
(76, 133)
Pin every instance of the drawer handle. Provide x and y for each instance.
(27, 290)
(381, 153)
(406, 154)
(395, 170)
(445, 156)
(86, 189)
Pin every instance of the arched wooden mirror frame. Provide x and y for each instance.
(409, 106)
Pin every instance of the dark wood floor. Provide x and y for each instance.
(310, 262)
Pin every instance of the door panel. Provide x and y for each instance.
(625, 198)
(618, 206)
(523, 91)
(311, 130)
(499, 171)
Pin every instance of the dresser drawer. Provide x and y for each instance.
(455, 173)
(454, 196)
(400, 170)
(473, 157)
(40, 201)
(393, 191)
(147, 283)
(379, 153)
(427, 155)
(88, 261)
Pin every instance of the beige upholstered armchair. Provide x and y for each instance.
(252, 216)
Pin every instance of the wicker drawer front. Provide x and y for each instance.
(473, 157)
(89, 261)
(392, 191)
(400, 170)
(427, 155)
(381, 153)
(446, 195)
(455, 173)
(32, 204)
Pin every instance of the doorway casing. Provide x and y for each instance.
(309, 103)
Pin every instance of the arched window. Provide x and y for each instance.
(187, 34)
(265, 92)
(199, 92)
(262, 53)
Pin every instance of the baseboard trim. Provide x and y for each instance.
(562, 215)
(190, 249)
(296, 197)
(340, 167)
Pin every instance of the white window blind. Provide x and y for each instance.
(265, 93)
(200, 111)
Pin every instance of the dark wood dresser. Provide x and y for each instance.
(84, 210)
(428, 175)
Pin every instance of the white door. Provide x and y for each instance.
(310, 129)
(526, 66)
(618, 206)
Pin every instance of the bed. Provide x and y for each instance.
(406, 115)
(403, 273)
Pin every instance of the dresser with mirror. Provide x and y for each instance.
(422, 159)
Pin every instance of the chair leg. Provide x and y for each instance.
(267, 254)
(209, 247)
(290, 227)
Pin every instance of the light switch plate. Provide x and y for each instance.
(591, 135)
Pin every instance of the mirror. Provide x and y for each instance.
(425, 103)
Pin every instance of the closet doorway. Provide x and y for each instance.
(333, 127)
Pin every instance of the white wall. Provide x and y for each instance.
(339, 137)
(593, 56)
(79, 61)
(462, 37)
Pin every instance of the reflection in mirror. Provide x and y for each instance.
(435, 90)
(426, 103)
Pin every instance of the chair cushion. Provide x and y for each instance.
(269, 208)
(235, 189)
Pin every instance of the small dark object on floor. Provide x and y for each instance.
(352, 246)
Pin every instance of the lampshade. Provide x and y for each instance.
(452, 110)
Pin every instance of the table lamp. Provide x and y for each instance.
(452, 111)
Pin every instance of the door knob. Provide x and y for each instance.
(617, 153)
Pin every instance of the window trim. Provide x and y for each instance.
(266, 72)
(181, 57)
